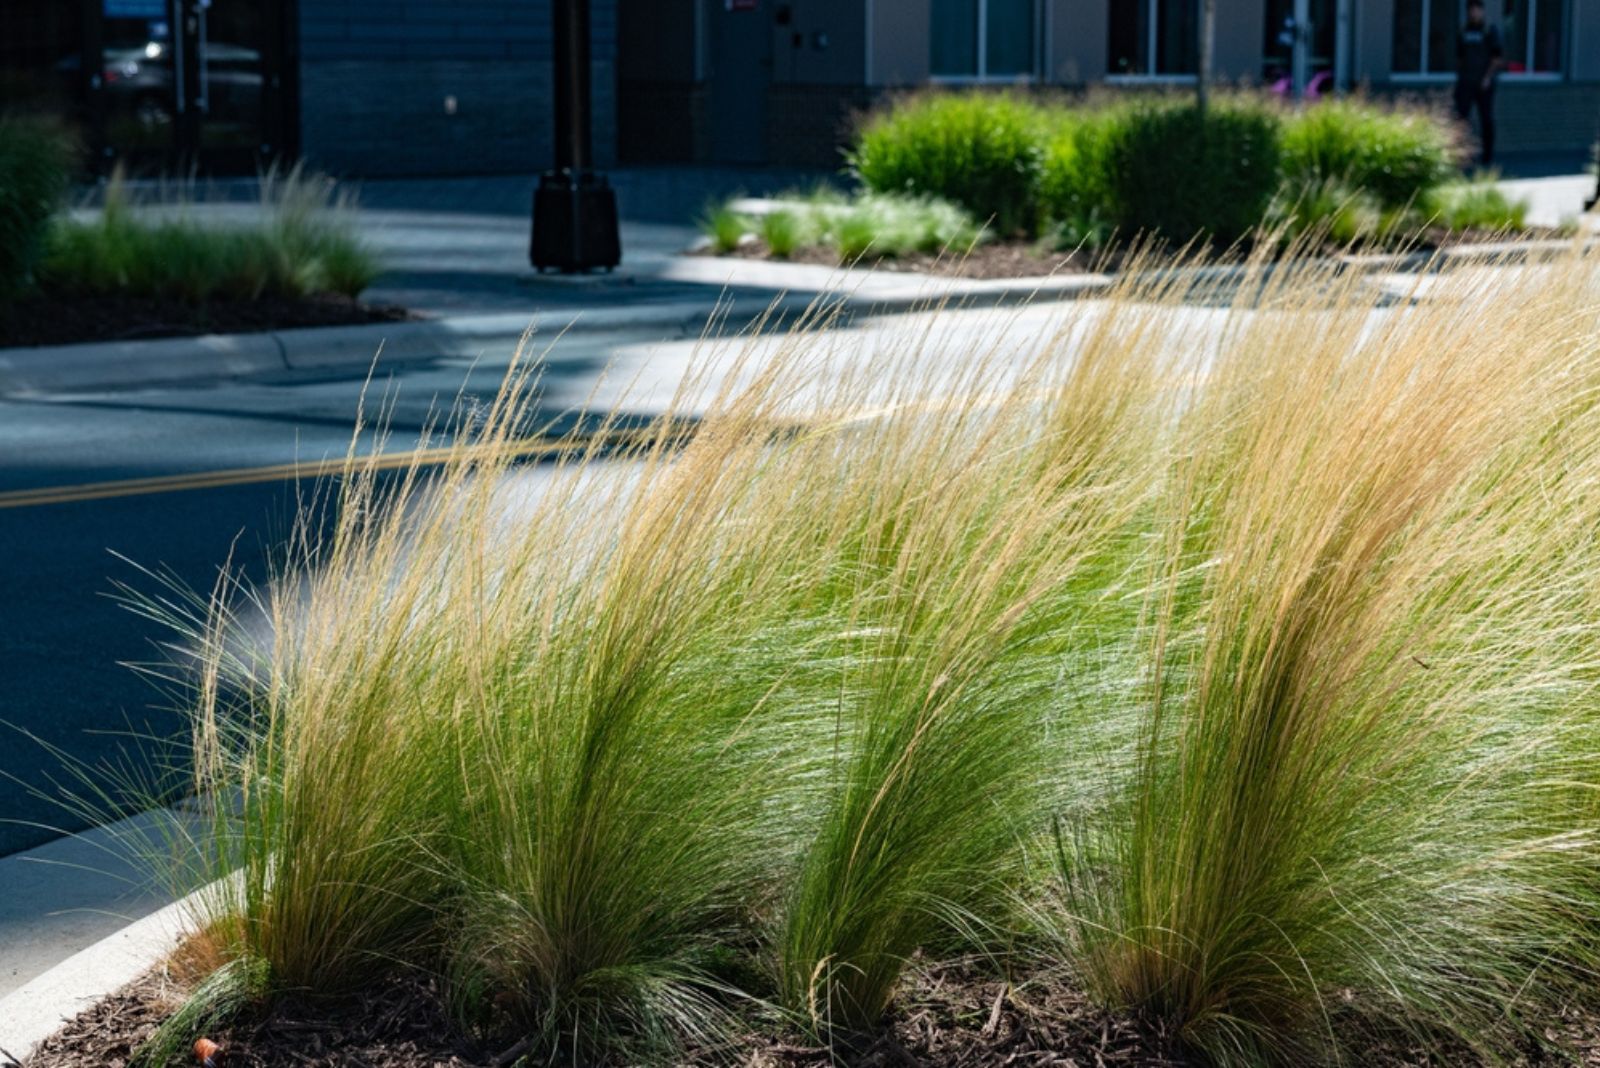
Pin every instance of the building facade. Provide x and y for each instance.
(779, 81)
(392, 87)
(365, 87)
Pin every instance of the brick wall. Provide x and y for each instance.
(377, 78)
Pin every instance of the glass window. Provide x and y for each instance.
(1532, 31)
(1278, 53)
(1154, 37)
(1008, 37)
(1425, 35)
(1409, 31)
(955, 37)
(1444, 23)
(983, 38)
(1548, 32)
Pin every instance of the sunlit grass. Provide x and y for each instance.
(1230, 646)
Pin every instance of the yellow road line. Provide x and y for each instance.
(661, 430)
(242, 476)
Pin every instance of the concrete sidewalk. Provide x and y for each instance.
(456, 246)
(74, 891)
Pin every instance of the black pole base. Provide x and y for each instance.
(575, 223)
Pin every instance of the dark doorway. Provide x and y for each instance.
(739, 74)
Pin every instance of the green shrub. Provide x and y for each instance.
(1177, 174)
(979, 150)
(1075, 181)
(35, 161)
(1475, 205)
(1395, 154)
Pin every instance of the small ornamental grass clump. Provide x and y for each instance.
(1474, 205)
(305, 244)
(865, 227)
(1235, 666)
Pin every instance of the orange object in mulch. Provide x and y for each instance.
(208, 1053)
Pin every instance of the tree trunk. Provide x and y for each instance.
(1208, 38)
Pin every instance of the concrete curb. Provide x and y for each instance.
(160, 361)
(39, 1008)
(794, 289)
(119, 364)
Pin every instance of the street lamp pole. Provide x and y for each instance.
(574, 208)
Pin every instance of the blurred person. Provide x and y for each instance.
(1479, 57)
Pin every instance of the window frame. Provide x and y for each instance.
(1152, 48)
(1427, 77)
(982, 76)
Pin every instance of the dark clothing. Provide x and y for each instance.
(1471, 95)
(1477, 47)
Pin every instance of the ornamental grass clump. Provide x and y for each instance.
(1259, 605)
(304, 244)
(961, 533)
(1364, 798)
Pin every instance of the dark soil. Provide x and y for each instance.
(947, 1017)
(54, 319)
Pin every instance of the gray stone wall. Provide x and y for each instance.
(440, 86)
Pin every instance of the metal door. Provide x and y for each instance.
(739, 71)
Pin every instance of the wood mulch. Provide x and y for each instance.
(402, 1024)
(54, 319)
(947, 1016)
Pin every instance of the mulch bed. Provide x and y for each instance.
(53, 319)
(948, 1016)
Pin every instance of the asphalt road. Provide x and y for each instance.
(103, 489)
(79, 515)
